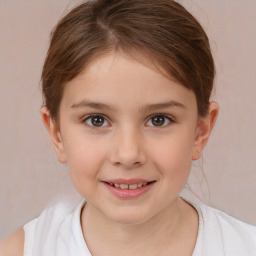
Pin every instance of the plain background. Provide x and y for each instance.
(31, 177)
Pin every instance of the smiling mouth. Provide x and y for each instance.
(129, 186)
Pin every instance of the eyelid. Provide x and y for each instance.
(167, 116)
(170, 119)
(162, 114)
(85, 118)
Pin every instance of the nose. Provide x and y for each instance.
(128, 149)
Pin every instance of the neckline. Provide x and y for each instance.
(82, 246)
(77, 230)
(199, 240)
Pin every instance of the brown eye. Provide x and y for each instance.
(96, 121)
(159, 120)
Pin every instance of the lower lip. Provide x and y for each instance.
(129, 193)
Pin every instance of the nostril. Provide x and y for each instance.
(136, 164)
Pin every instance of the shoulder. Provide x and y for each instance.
(225, 221)
(233, 235)
(14, 244)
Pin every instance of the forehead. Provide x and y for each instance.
(117, 78)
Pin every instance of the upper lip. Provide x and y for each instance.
(128, 181)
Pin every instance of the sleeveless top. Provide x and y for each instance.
(57, 232)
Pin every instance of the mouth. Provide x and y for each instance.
(129, 189)
(131, 186)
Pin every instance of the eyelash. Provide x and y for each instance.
(166, 117)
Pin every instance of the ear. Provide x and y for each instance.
(54, 133)
(204, 129)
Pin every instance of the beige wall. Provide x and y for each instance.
(30, 176)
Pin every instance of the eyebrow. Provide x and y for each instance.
(90, 104)
(169, 104)
(150, 107)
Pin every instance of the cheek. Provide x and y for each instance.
(84, 159)
(173, 155)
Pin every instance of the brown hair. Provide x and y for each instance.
(163, 31)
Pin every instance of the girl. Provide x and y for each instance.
(127, 87)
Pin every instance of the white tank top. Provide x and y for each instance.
(58, 232)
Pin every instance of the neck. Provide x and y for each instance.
(162, 230)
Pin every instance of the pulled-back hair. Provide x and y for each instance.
(162, 31)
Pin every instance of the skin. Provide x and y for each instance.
(129, 145)
(13, 245)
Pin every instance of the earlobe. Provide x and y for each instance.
(204, 128)
(55, 135)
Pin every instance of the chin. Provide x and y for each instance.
(127, 217)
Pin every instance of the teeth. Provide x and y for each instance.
(133, 186)
(126, 186)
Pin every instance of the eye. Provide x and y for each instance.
(159, 121)
(96, 121)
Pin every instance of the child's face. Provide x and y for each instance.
(123, 143)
